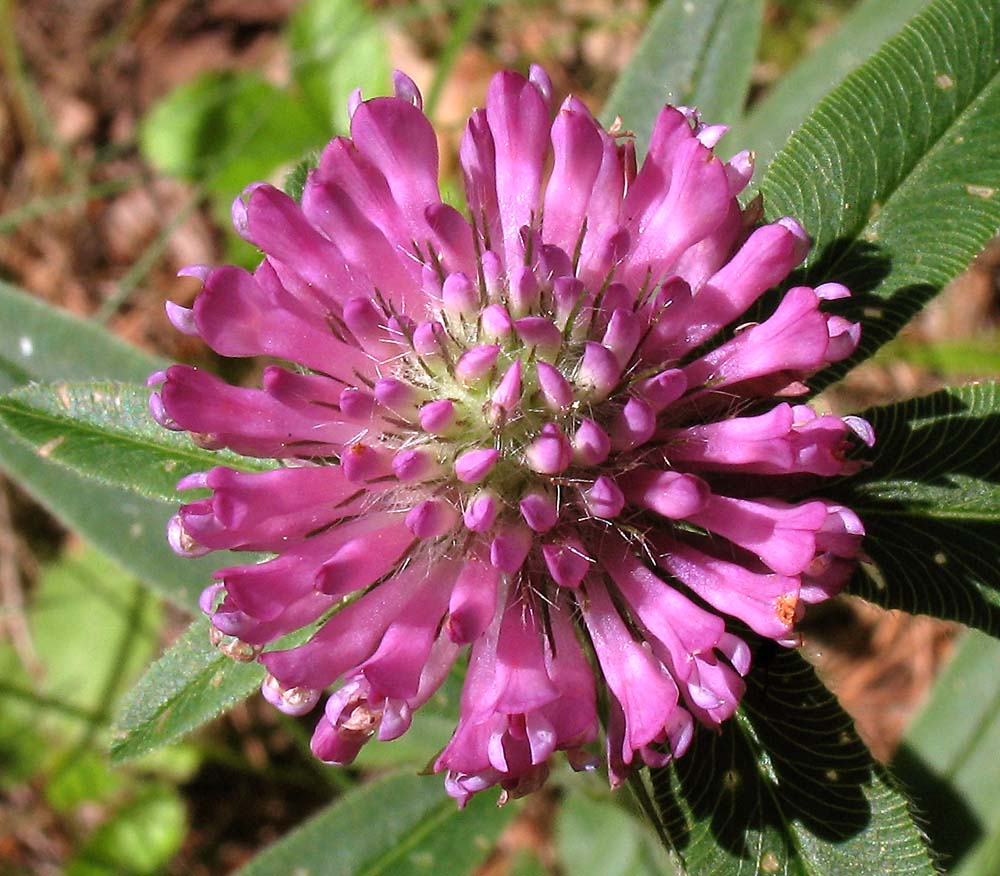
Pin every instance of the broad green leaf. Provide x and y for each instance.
(337, 46)
(771, 122)
(626, 845)
(188, 686)
(87, 778)
(930, 504)
(139, 839)
(129, 528)
(948, 761)
(83, 667)
(697, 54)
(38, 342)
(43, 343)
(104, 430)
(404, 825)
(88, 664)
(228, 130)
(896, 174)
(786, 787)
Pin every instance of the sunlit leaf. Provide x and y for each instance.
(188, 686)
(896, 174)
(138, 839)
(626, 844)
(337, 46)
(404, 825)
(771, 121)
(38, 342)
(104, 430)
(786, 787)
(948, 760)
(43, 343)
(228, 130)
(695, 54)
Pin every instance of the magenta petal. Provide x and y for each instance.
(604, 498)
(555, 388)
(673, 494)
(398, 140)
(477, 362)
(567, 561)
(539, 511)
(550, 452)
(519, 122)
(474, 465)
(473, 601)
(481, 512)
(509, 549)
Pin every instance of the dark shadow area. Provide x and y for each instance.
(951, 826)
(862, 266)
(798, 765)
(955, 443)
(933, 551)
(934, 566)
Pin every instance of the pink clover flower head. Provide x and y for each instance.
(540, 431)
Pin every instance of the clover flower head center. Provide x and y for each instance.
(504, 396)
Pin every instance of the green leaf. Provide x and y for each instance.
(87, 778)
(969, 357)
(931, 507)
(129, 528)
(895, 174)
(138, 839)
(786, 787)
(38, 342)
(188, 686)
(295, 181)
(948, 760)
(770, 122)
(83, 667)
(403, 825)
(43, 343)
(104, 430)
(228, 130)
(336, 47)
(84, 670)
(584, 824)
(697, 54)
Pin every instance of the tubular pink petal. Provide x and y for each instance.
(604, 498)
(567, 561)
(672, 494)
(496, 322)
(633, 425)
(509, 548)
(481, 512)
(591, 444)
(507, 395)
(437, 417)
(474, 465)
(549, 453)
(477, 362)
(539, 511)
(432, 518)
